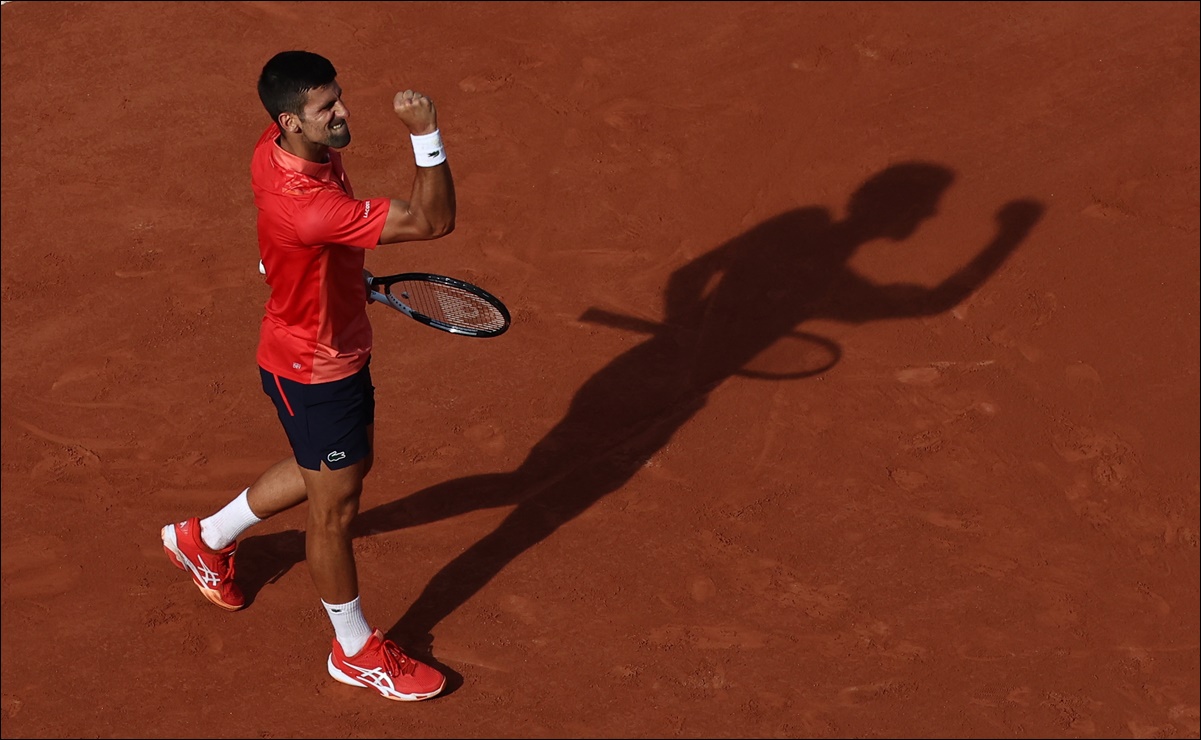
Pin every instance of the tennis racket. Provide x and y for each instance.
(442, 302)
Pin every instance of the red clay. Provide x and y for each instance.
(741, 468)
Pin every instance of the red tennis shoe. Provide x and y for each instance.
(211, 570)
(380, 665)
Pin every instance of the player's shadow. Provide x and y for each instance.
(722, 313)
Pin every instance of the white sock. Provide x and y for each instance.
(223, 528)
(350, 627)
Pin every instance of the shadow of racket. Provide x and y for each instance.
(816, 357)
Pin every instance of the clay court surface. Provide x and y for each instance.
(741, 467)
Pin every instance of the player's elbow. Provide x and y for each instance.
(433, 230)
(414, 224)
(435, 223)
(442, 227)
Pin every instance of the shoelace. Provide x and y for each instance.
(221, 562)
(396, 662)
(229, 565)
(224, 563)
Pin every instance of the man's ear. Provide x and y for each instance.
(289, 122)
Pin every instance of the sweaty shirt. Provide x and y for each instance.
(312, 233)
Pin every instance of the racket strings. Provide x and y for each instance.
(451, 305)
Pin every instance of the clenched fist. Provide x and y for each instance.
(416, 111)
(1019, 215)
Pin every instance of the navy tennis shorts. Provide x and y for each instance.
(325, 422)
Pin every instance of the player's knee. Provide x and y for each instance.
(336, 514)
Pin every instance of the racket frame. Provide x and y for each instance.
(379, 290)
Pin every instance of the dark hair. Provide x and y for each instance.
(287, 79)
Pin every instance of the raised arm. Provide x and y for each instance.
(429, 213)
(1014, 221)
(903, 300)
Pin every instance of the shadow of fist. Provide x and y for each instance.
(1019, 215)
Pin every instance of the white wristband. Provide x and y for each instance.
(427, 149)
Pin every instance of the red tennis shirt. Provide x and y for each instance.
(312, 237)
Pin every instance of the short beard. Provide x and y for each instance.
(337, 141)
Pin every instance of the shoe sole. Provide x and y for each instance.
(171, 547)
(343, 678)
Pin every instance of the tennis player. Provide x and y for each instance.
(314, 353)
